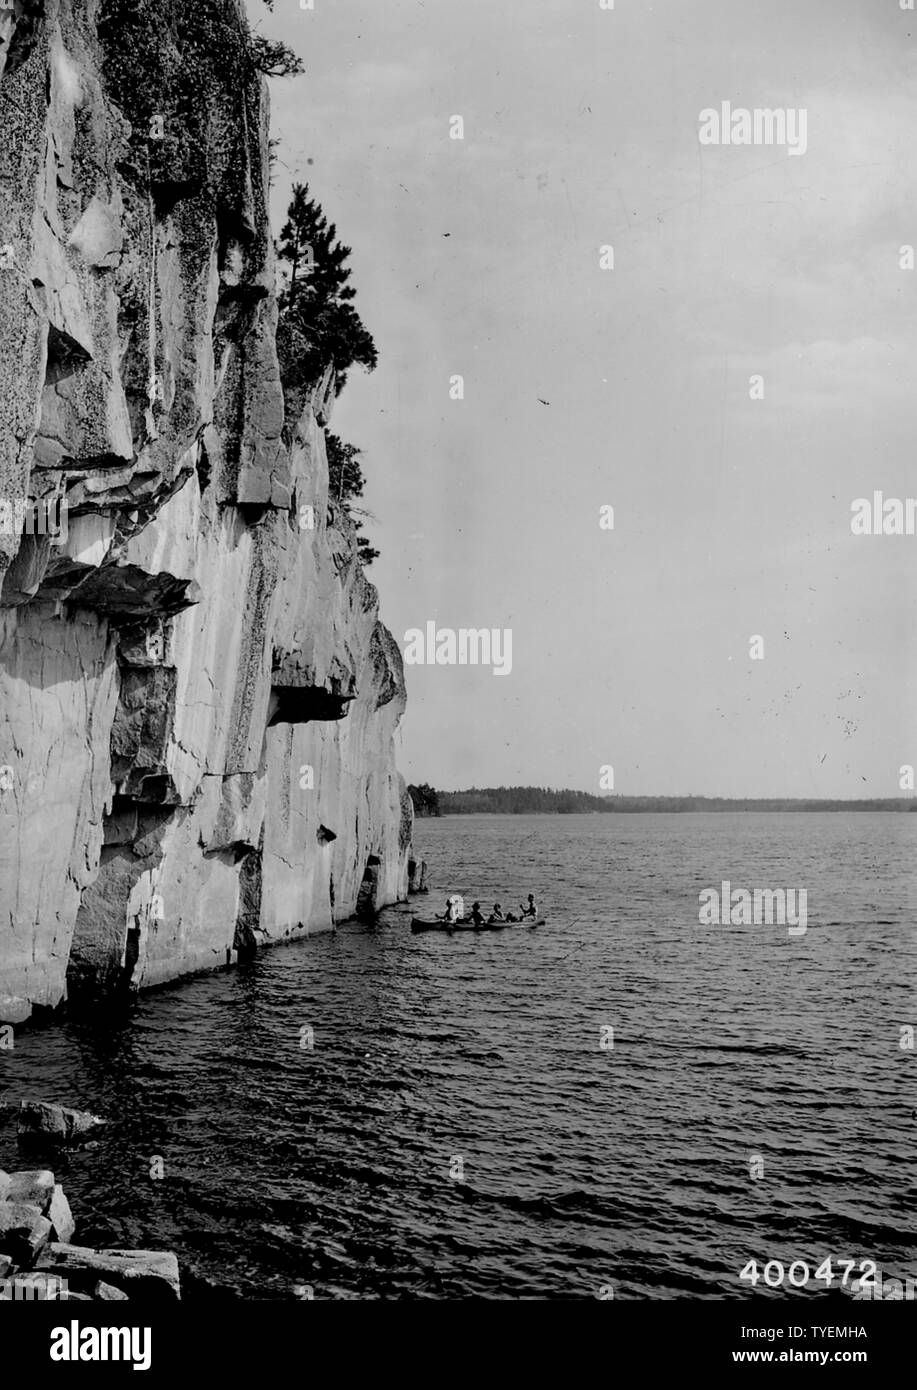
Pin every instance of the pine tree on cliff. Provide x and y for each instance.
(317, 262)
(345, 485)
(345, 476)
(272, 57)
(319, 324)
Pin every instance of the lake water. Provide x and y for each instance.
(457, 1128)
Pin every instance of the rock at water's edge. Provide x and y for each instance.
(39, 1120)
(150, 1272)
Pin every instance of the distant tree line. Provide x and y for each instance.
(519, 801)
(545, 800)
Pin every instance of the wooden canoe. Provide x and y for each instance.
(419, 924)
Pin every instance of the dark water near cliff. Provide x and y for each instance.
(330, 1167)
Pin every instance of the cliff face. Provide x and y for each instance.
(197, 699)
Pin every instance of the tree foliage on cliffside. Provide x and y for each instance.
(345, 485)
(345, 476)
(274, 58)
(320, 325)
(187, 75)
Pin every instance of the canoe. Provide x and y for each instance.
(419, 924)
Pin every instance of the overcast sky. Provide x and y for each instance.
(481, 257)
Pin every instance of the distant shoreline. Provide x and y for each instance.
(536, 801)
(680, 810)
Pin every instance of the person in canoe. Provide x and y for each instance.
(452, 912)
(531, 910)
(497, 914)
(476, 915)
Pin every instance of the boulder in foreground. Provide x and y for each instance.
(23, 1230)
(36, 1186)
(108, 1293)
(60, 1216)
(152, 1273)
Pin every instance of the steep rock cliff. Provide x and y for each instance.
(197, 699)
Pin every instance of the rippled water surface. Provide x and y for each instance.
(335, 1167)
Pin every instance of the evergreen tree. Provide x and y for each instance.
(366, 552)
(273, 58)
(317, 270)
(314, 299)
(345, 476)
(345, 484)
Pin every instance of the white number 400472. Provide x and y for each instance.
(798, 1275)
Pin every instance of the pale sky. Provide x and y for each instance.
(732, 515)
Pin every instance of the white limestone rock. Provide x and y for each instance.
(197, 699)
